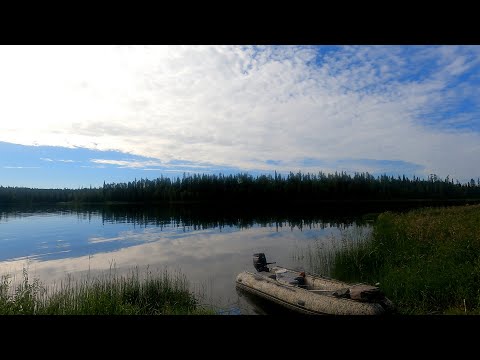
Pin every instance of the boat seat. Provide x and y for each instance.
(287, 277)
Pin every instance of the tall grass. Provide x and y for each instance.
(427, 260)
(324, 256)
(106, 294)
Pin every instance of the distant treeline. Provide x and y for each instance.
(245, 188)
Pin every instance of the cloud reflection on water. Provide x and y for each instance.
(209, 258)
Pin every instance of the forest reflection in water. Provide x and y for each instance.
(209, 245)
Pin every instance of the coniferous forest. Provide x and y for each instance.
(245, 188)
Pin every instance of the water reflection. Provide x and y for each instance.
(209, 247)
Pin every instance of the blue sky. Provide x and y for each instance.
(75, 116)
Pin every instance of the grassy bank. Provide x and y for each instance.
(427, 261)
(106, 294)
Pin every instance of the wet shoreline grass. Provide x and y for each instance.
(106, 294)
(427, 261)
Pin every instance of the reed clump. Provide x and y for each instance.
(427, 261)
(108, 293)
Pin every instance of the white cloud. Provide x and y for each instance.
(127, 163)
(93, 167)
(237, 106)
(142, 164)
(21, 167)
(59, 160)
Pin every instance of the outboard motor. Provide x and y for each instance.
(260, 262)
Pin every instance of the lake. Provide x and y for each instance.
(209, 246)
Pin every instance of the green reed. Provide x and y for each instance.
(109, 293)
(427, 261)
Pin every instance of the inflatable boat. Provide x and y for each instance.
(311, 294)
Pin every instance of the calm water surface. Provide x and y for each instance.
(210, 248)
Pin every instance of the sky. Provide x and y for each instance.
(76, 116)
